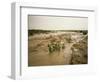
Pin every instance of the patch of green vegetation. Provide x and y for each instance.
(55, 46)
(84, 32)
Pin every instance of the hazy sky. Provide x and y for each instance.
(57, 23)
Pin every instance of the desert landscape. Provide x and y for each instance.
(57, 47)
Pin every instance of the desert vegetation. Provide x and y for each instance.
(57, 47)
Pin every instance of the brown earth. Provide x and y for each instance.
(39, 54)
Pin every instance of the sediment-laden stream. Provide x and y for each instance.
(59, 48)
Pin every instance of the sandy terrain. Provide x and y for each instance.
(40, 55)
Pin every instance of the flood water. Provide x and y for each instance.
(39, 53)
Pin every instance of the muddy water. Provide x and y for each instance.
(38, 54)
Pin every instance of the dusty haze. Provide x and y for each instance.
(57, 23)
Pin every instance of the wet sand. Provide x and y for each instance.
(38, 54)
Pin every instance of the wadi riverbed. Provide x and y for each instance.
(58, 48)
